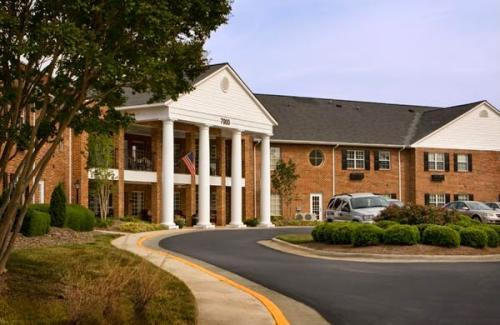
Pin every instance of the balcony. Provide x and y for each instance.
(139, 159)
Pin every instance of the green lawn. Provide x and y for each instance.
(91, 284)
(296, 238)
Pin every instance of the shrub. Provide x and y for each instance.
(35, 223)
(466, 221)
(497, 229)
(473, 237)
(341, 233)
(40, 207)
(135, 227)
(251, 222)
(441, 236)
(421, 228)
(318, 232)
(417, 214)
(367, 235)
(455, 227)
(100, 223)
(493, 237)
(57, 208)
(384, 224)
(79, 218)
(401, 235)
(180, 221)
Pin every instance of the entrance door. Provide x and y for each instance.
(316, 204)
(137, 202)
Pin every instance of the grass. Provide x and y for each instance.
(91, 283)
(296, 238)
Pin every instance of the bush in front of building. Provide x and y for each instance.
(180, 221)
(493, 237)
(473, 237)
(57, 208)
(100, 223)
(341, 233)
(384, 224)
(401, 235)
(251, 222)
(135, 227)
(441, 236)
(497, 229)
(79, 218)
(367, 235)
(466, 221)
(35, 223)
(421, 228)
(418, 214)
(455, 227)
(318, 232)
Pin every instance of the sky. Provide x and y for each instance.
(420, 52)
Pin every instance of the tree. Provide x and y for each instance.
(100, 149)
(57, 209)
(284, 180)
(62, 61)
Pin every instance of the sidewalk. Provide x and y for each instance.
(218, 300)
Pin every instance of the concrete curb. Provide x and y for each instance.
(224, 297)
(289, 248)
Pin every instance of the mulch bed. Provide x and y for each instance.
(405, 250)
(55, 237)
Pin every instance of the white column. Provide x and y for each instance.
(236, 195)
(265, 183)
(167, 175)
(204, 179)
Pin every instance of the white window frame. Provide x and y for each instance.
(387, 160)
(463, 197)
(462, 166)
(312, 202)
(437, 199)
(355, 159)
(318, 160)
(276, 205)
(435, 160)
(275, 156)
(177, 200)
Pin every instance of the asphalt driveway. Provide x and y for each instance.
(352, 292)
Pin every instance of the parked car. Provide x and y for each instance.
(494, 205)
(360, 207)
(395, 202)
(476, 210)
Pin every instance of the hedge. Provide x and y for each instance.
(401, 235)
(341, 233)
(421, 228)
(35, 223)
(40, 207)
(441, 236)
(384, 224)
(496, 228)
(473, 237)
(493, 237)
(455, 227)
(466, 221)
(79, 218)
(418, 214)
(367, 235)
(318, 233)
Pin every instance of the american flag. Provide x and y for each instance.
(188, 160)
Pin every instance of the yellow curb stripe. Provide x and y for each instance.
(277, 314)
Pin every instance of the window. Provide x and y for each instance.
(177, 202)
(462, 163)
(436, 161)
(355, 159)
(275, 156)
(137, 202)
(384, 160)
(275, 205)
(213, 158)
(316, 157)
(316, 204)
(463, 197)
(437, 199)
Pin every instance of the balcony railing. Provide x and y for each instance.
(139, 160)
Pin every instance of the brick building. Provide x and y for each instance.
(423, 155)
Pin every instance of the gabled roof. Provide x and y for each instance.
(320, 120)
(134, 98)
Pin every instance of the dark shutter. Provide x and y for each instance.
(394, 196)
(471, 197)
(447, 162)
(455, 162)
(375, 160)
(426, 161)
(426, 198)
(367, 159)
(455, 197)
(447, 198)
(469, 158)
(344, 159)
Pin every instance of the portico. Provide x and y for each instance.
(220, 107)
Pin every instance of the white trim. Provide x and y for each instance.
(320, 195)
(41, 192)
(70, 167)
(328, 143)
(415, 144)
